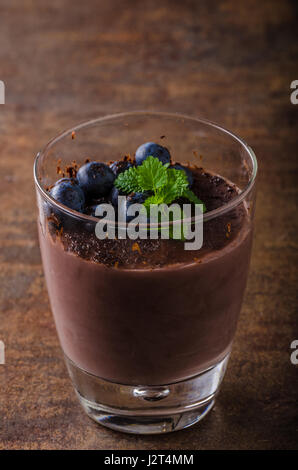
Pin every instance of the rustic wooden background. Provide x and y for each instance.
(65, 61)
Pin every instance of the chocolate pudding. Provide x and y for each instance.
(147, 312)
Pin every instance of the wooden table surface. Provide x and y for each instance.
(65, 61)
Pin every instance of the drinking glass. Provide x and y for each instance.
(146, 349)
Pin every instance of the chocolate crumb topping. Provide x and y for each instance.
(79, 237)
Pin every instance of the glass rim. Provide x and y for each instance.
(226, 207)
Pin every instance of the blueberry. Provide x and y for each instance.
(96, 179)
(155, 150)
(188, 172)
(91, 205)
(135, 198)
(114, 195)
(120, 166)
(68, 192)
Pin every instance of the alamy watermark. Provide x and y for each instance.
(294, 355)
(2, 353)
(160, 221)
(2, 92)
(294, 94)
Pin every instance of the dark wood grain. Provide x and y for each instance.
(232, 62)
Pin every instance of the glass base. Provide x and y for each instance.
(147, 409)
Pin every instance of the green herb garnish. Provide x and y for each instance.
(166, 184)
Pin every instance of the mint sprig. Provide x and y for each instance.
(166, 184)
(152, 174)
(128, 181)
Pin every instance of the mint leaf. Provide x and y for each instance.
(166, 184)
(128, 181)
(153, 200)
(152, 174)
(176, 184)
(174, 188)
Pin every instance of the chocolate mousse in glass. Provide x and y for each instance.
(146, 326)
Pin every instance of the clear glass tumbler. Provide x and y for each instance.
(146, 348)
